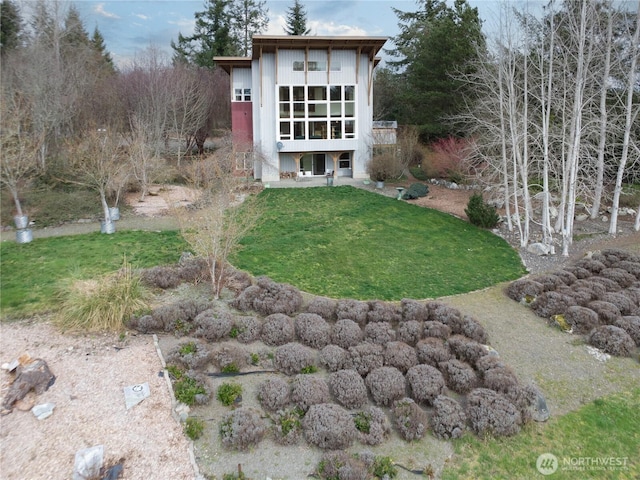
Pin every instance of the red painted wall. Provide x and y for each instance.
(242, 123)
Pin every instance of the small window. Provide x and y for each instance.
(298, 130)
(238, 94)
(349, 129)
(336, 130)
(285, 130)
(298, 66)
(285, 94)
(317, 66)
(298, 94)
(247, 94)
(349, 92)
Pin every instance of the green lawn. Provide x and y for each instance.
(345, 242)
(603, 431)
(31, 272)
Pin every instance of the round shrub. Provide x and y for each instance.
(567, 277)
(623, 278)
(500, 379)
(437, 330)
(634, 294)
(307, 390)
(551, 303)
(346, 333)
(578, 272)
(274, 394)
(334, 358)
(631, 325)
(287, 426)
(448, 419)
(410, 420)
(248, 329)
(339, 465)
(173, 319)
(620, 300)
(596, 289)
(329, 426)
(276, 298)
(525, 399)
(355, 310)
(229, 358)
(608, 284)
(630, 267)
(413, 310)
(146, 324)
(459, 376)
(312, 330)
(366, 357)
(383, 312)
(325, 307)
(379, 333)
(613, 340)
(614, 255)
(448, 315)
(189, 356)
(163, 277)
(415, 190)
(236, 280)
(487, 362)
(466, 349)
(292, 358)
(386, 384)
(372, 425)
(432, 351)
(425, 383)
(410, 332)
(348, 388)
(212, 325)
(581, 319)
(244, 301)
(480, 213)
(524, 290)
(490, 412)
(400, 355)
(472, 329)
(277, 329)
(549, 281)
(593, 266)
(582, 296)
(607, 312)
(242, 429)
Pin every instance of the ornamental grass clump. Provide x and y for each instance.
(425, 383)
(410, 420)
(274, 394)
(102, 305)
(308, 390)
(277, 329)
(386, 385)
(312, 330)
(348, 388)
(293, 357)
(242, 429)
(490, 412)
(329, 426)
(448, 419)
(613, 340)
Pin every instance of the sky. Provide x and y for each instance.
(132, 26)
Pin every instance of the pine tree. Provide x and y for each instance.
(250, 17)
(296, 20)
(98, 45)
(10, 26)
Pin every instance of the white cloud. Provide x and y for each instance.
(99, 9)
(335, 29)
(141, 16)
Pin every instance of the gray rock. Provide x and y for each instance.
(88, 463)
(35, 376)
(134, 394)
(540, 411)
(582, 217)
(538, 249)
(44, 410)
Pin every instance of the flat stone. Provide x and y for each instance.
(539, 249)
(88, 463)
(582, 217)
(134, 394)
(44, 410)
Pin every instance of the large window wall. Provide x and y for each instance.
(316, 112)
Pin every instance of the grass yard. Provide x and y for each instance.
(31, 272)
(345, 242)
(604, 431)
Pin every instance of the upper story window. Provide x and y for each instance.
(242, 95)
(298, 66)
(313, 66)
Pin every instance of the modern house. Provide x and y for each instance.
(303, 105)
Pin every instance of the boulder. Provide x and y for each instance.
(34, 375)
(538, 249)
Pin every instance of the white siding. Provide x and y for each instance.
(241, 80)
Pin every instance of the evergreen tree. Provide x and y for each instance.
(434, 43)
(10, 25)
(75, 34)
(250, 17)
(98, 45)
(296, 20)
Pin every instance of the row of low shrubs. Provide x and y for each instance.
(598, 297)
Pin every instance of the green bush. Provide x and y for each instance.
(193, 428)
(383, 467)
(228, 393)
(187, 389)
(480, 213)
(416, 190)
(419, 173)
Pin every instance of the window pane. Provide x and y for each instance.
(238, 94)
(336, 109)
(336, 93)
(318, 66)
(349, 92)
(247, 94)
(285, 130)
(317, 93)
(298, 110)
(336, 129)
(349, 109)
(284, 94)
(298, 94)
(349, 128)
(298, 130)
(318, 110)
(298, 66)
(318, 130)
(285, 110)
